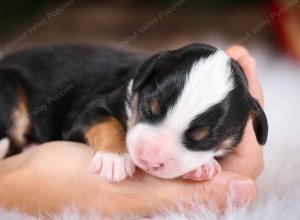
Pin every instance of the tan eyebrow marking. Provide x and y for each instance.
(155, 106)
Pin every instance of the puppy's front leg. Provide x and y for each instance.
(111, 160)
(206, 172)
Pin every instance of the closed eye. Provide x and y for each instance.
(198, 134)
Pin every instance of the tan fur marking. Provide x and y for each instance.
(226, 145)
(21, 120)
(107, 136)
(155, 106)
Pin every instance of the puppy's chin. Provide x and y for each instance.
(170, 175)
(158, 152)
(177, 170)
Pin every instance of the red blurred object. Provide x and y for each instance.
(285, 17)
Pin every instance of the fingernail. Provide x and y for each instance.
(242, 192)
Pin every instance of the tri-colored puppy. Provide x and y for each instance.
(170, 114)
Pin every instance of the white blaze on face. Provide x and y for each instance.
(208, 83)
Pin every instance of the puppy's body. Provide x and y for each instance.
(175, 110)
(57, 82)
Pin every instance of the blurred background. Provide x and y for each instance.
(269, 29)
(151, 24)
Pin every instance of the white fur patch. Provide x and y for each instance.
(207, 84)
(113, 167)
(4, 146)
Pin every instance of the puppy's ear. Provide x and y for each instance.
(260, 123)
(145, 70)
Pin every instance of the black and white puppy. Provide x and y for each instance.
(170, 114)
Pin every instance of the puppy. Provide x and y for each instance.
(170, 114)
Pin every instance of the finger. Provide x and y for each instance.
(249, 66)
(247, 158)
(237, 51)
(228, 186)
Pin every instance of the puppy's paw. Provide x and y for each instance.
(206, 172)
(113, 167)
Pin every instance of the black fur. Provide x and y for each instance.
(162, 76)
(72, 87)
(68, 87)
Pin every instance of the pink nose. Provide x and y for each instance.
(152, 165)
(154, 149)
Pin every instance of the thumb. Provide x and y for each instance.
(225, 190)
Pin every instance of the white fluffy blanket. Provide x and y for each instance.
(279, 185)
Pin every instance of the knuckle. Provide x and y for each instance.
(201, 189)
(211, 196)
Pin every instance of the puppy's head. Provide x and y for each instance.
(188, 106)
